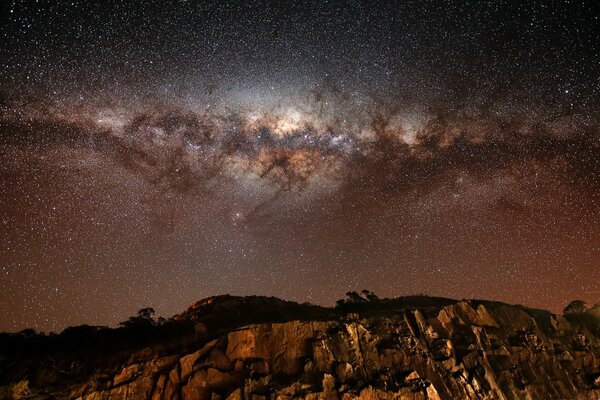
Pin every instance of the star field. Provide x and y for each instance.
(153, 155)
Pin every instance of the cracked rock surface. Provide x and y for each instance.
(462, 350)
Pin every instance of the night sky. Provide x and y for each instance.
(155, 153)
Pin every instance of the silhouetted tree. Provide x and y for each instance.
(146, 313)
(28, 332)
(575, 307)
(144, 317)
(354, 297)
(370, 296)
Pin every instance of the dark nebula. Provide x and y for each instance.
(153, 154)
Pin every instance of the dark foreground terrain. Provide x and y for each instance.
(257, 348)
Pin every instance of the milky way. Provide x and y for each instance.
(152, 156)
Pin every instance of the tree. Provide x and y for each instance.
(146, 313)
(575, 307)
(354, 297)
(144, 317)
(370, 296)
(28, 332)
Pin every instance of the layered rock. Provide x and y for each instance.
(461, 351)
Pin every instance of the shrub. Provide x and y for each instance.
(575, 307)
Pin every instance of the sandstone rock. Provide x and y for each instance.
(196, 388)
(219, 360)
(258, 367)
(258, 386)
(188, 361)
(344, 371)
(322, 355)
(466, 350)
(441, 349)
(282, 346)
(236, 395)
(329, 390)
(160, 387)
(172, 385)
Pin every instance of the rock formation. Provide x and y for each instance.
(388, 350)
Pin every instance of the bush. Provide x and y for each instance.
(353, 297)
(575, 307)
(145, 318)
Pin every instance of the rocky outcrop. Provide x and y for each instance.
(466, 350)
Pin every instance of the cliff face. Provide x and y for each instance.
(466, 350)
(462, 351)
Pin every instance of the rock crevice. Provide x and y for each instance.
(462, 351)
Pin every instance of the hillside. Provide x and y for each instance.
(229, 347)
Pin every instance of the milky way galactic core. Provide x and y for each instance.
(153, 154)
